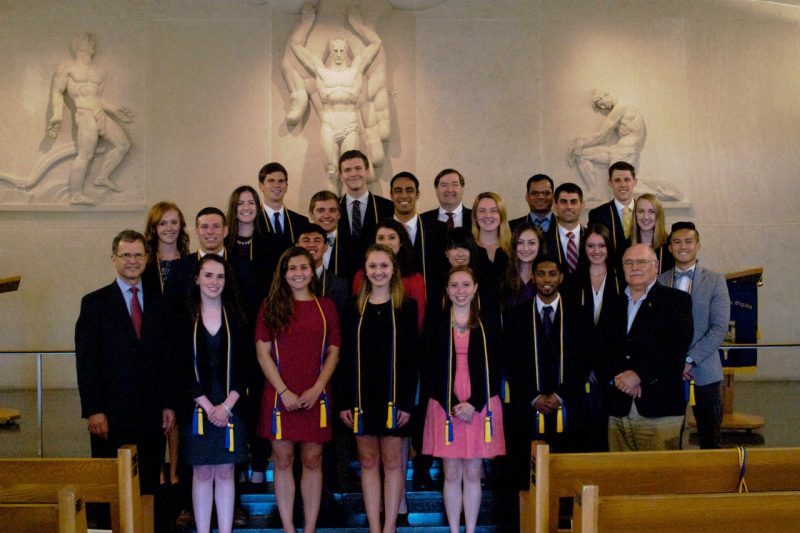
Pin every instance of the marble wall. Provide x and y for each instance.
(497, 89)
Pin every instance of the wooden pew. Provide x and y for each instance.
(42, 508)
(662, 472)
(776, 512)
(112, 481)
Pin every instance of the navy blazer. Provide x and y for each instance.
(607, 215)
(655, 348)
(119, 375)
(377, 209)
(433, 215)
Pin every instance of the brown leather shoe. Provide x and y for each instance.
(185, 520)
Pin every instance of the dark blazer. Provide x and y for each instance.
(377, 208)
(607, 215)
(556, 250)
(295, 224)
(529, 219)
(335, 288)
(436, 361)
(429, 259)
(433, 216)
(519, 350)
(182, 346)
(119, 375)
(655, 348)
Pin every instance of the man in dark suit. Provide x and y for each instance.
(711, 310)
(644, 365)
(449, 185)
(324, 211)
(273, 217)
(329, 285)
(617, 215)
(121, 360)
(360, 210)
(539, 195)
(564, 242)
(428, 237)
(546, 366)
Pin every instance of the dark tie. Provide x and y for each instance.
(450, 222)
(136, 313)
(330, 239)
(572, 252)
(547, 320)
(680, 274)
(356, 226)
(277, 224)
(539, 223)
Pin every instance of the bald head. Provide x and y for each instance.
(640, 265)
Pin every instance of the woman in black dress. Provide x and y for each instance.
(208, 347)
(379, 380)
(167, 241)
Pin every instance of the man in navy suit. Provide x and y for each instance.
(121, 362)
(711, 311)
(617, 215)
(539, 195)
(360, 210)
(644, 364)
(449, 185)
(273, 217)
(564, 242)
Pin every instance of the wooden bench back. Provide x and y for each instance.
(777, 512)
(112, 481)
(42, 508)
(661, 472)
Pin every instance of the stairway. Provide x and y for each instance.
(344, 511)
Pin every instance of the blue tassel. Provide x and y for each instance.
(358, 421)
(685, 391)
(229, 444)
(276, 424)
(448, 438)
(197, 421)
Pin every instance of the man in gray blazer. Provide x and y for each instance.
(711, 309)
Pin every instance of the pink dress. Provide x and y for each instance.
(468, 438)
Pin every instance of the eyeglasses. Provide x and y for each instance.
(128, 257)
(638, 262)
(543, 194)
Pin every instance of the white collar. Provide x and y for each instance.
(554, 304)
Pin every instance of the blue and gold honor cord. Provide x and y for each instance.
(742, 484)
(421, 232)
(488, 431)
(358, 412)
(197, 419)
(277, 429)
(561, 419)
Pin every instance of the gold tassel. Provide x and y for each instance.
(692, 400)
(540, 422)
(323, 414)
(278, 429)
(487, 429)
(507, 394)
(230, 437)
(560, 420)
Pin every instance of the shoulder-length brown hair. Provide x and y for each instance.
(151, 234)
(396, 289)
(513, 282)
(233, 220)
(474, 305)
(280, 302)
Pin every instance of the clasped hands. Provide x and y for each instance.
(547, 403)
(464, 412)
(630, 383)
(306, 400)
(346, 417)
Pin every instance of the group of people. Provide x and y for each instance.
(455, 331)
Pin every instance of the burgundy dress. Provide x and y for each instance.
(299, 348)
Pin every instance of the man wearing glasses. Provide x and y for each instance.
(120, 355)
(539, 195)
(644, 363)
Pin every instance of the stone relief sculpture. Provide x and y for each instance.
(349, 95)
(94, 118)
(620, 137)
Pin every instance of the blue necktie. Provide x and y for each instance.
(277, 224)
(547, 320)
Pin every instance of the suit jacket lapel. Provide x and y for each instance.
(120, 311)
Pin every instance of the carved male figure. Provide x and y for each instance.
(94, 117)
(622, 119)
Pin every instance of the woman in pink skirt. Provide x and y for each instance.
(464, 420)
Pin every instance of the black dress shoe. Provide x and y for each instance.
(402, 520)
(239, 516)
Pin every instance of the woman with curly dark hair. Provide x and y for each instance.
(297, 342)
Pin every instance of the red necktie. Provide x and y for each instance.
(450, 222)
(572, 252)
(136, 313)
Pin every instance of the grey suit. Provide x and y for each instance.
(711, 309)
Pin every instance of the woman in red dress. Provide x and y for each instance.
(297, 342)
